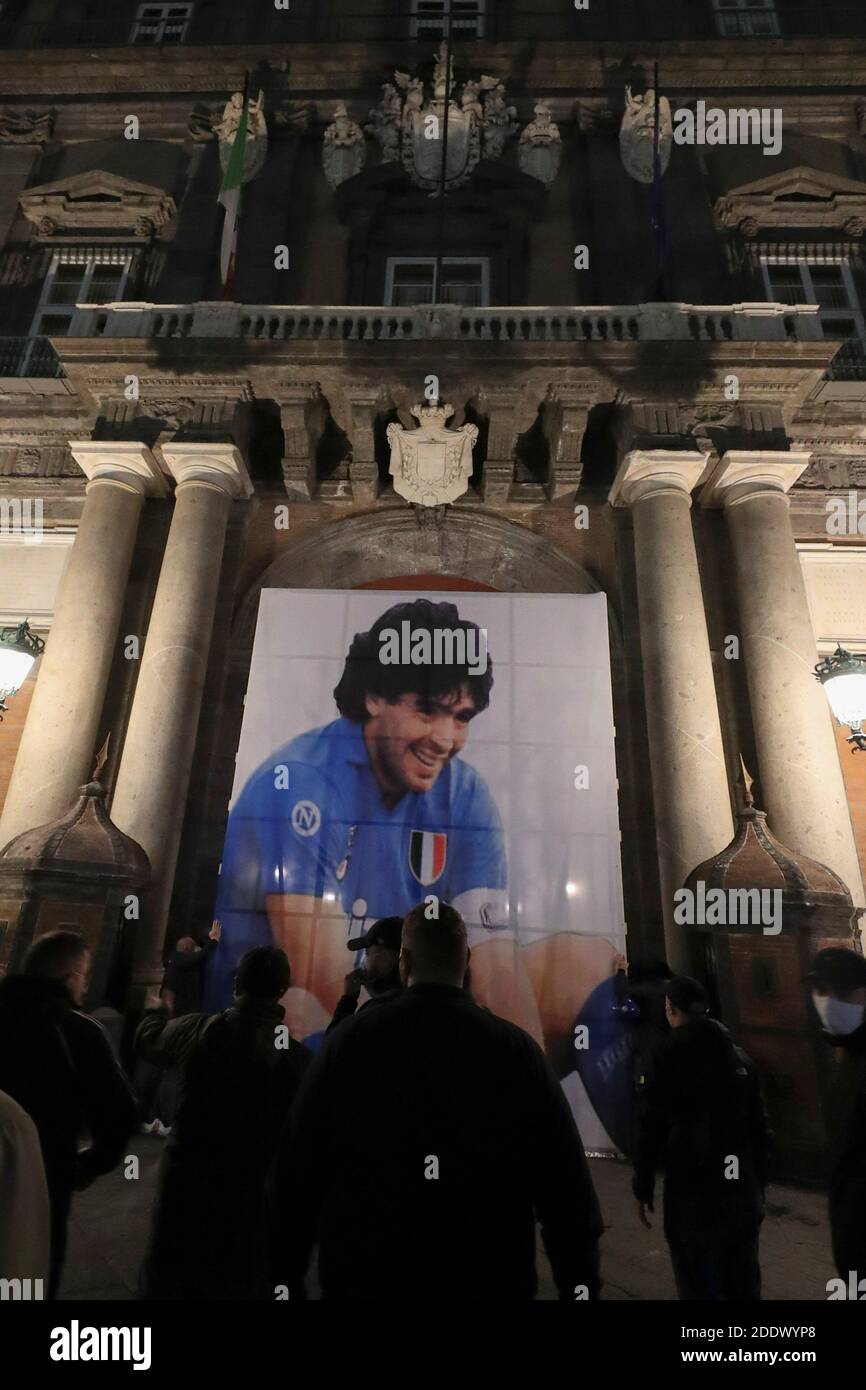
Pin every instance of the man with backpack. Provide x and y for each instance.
(704, 1125)
(238, 1074)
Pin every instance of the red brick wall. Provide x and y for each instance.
(10, 733)
(854, 773)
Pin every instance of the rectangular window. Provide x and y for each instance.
(409, 280)
(430, 19)
(161, 24)
(830, 285)
(78, 277)
(756, 18)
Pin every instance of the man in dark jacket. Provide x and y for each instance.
(184, 972)
(428, 1136)
(60, 1067)
(838, 979)
(238, 1074)
(380, 974)
(703, 1122)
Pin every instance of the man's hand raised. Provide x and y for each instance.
(354, 983)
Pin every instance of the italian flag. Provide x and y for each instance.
(230, 197)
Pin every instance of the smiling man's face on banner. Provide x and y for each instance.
(411, 740)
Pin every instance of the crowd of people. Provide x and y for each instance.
(416, 1148)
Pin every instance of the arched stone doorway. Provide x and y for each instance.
(470, 550)
(470, 545)
(429, 583)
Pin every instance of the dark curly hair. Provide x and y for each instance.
(365, 674)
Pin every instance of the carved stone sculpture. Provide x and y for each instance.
(540, 149)
(408, 124)
(257, 133)
(385, 122)
(431, 465)
(343, 150)
(25, 127)
(499, 122)
(637, 134)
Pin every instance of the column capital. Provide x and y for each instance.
(218, 465)
(744, 473)
(120, 461)
(645, 472)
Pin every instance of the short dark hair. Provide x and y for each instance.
(438, 944)
(687, 995)
(364, 674)
(644, 972)
(263, 973)
(54, 955)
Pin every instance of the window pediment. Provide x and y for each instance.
(808, 199)
(83, 203)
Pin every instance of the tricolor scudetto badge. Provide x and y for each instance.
(427, 853)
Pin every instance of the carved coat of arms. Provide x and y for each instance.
(256, 146)
(409, 125)
(431, 465)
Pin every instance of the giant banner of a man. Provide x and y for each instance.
(398, 750)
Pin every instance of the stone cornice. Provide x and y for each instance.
(825, 202)
(95, 200)
(746, 65)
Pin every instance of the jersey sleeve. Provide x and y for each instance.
(478, 884)
(281, 838)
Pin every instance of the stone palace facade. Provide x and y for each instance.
(667, 432)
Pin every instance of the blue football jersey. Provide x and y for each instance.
(311, 821)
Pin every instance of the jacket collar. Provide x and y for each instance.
(428, 990)
(260, 1010)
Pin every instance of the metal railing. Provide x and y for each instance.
(28, 357)
(759, 322)
(849, 364)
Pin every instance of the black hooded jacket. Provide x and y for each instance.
(846, 1117)
(236, 1087)
(702, 1105)
(426, 1139)
(60, 1067)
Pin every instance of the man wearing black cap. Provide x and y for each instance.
(704, 1124)
(380, 973)
(838, 980)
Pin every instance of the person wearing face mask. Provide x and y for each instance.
(838, 981)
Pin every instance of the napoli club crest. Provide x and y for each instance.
(428, 851)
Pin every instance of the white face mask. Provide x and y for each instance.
(838, 1018)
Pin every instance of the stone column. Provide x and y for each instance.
(801, 780)
(690, 786)
(153, 777)
(55, 755)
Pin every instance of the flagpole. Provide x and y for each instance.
(240, 134)
(657, 213)
(440, 231)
